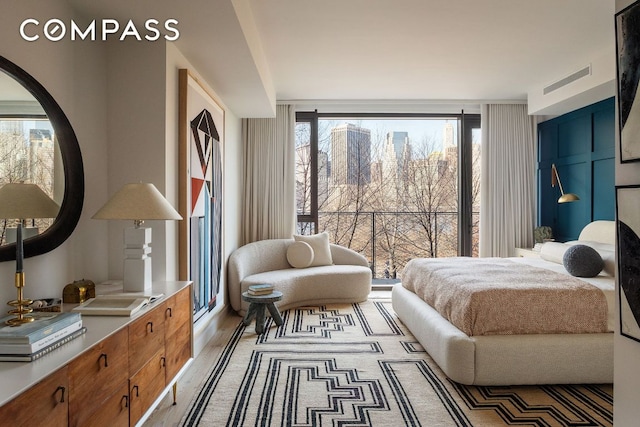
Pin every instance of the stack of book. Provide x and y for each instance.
(30, 341)
(263, 289)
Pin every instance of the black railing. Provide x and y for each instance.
(390, 239)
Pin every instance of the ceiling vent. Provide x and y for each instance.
(586, 71)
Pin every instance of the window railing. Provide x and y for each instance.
(390, 239)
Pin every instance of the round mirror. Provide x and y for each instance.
(38, 146)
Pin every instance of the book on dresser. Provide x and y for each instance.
(44, 325)
(31, 356)
(28, 348)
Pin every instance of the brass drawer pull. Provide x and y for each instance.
(106, 363)
(150, 326)
(62, 390)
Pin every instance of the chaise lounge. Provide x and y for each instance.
(344, 276)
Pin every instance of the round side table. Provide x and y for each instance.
(256, 309)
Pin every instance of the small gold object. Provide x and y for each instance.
(21, 305)
(79, 291)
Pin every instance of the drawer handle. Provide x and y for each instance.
(170, 311)
(164, 361)
(61, 390)
(106, 363)
(150, 326)
(135, 387)
(126, 401)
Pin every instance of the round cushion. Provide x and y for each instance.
(300, 254)
(582, 261)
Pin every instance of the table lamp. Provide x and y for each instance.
(137, 202)
(23, 201)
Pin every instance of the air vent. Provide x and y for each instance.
(586, 71)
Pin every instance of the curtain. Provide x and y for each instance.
(268, 209)
(507, 187)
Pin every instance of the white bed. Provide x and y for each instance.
(520, 359)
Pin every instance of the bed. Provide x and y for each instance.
(585, 356)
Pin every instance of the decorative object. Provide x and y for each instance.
(79, 291)
(357, 364)
(137, 202)
(201, 136)
(628, 61)
(68, 215)
(542, 234)
(112, 305)
(22, 202)
(628, 215)
(582, 261)
(300, 254)
(555, 179)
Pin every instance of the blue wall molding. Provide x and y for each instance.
(582, 146)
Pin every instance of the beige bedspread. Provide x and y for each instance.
(496, 296)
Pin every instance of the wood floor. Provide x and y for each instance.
(169, 415)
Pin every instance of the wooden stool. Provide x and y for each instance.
(257, 304)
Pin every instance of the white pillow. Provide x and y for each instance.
(553, 251)
(300, 254)
(320, 245)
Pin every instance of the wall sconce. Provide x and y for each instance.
(555, 179)
(23, 201)
(137, 202)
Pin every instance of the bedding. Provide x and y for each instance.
(531, 358)
(497, 296)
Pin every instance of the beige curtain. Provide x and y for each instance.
(508, 179)
(269, 176)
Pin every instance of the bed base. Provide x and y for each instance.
(505, 359)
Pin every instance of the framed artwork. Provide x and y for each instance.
(627, 24)
(201, 129)
(628, 231)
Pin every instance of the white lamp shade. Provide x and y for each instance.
(138, 202)
(23, 201)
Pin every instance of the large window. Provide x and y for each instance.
(392, 187)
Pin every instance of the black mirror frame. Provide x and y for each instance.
(71, 206)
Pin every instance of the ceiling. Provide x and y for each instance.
(254, 52)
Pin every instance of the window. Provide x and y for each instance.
(391, 187)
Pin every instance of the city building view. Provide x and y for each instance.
(27, 155)
(386, 188)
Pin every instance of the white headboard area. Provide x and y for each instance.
(599, 231)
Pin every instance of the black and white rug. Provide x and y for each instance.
(357, 365)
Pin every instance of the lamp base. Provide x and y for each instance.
(21, 305)
(137, 263)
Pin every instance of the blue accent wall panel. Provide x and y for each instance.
(582, 146)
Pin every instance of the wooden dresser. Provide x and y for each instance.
(114, 374)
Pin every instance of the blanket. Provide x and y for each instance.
(496, 296)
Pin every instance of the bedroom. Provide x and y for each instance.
(139, 78)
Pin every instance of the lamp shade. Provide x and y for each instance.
(138, 202)
(23, 201)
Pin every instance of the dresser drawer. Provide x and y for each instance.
(178, 350)
(113, 412)
(96, 375)
(178, 311)
(146, 385)
(146, 337)
(46, 403)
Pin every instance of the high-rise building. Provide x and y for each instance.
(350, 155)
(449, 147)
(397, 156)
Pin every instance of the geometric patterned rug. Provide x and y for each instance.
(357, 365)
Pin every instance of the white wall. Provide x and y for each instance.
(75, 77)
(626, 351)
(122, 100)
